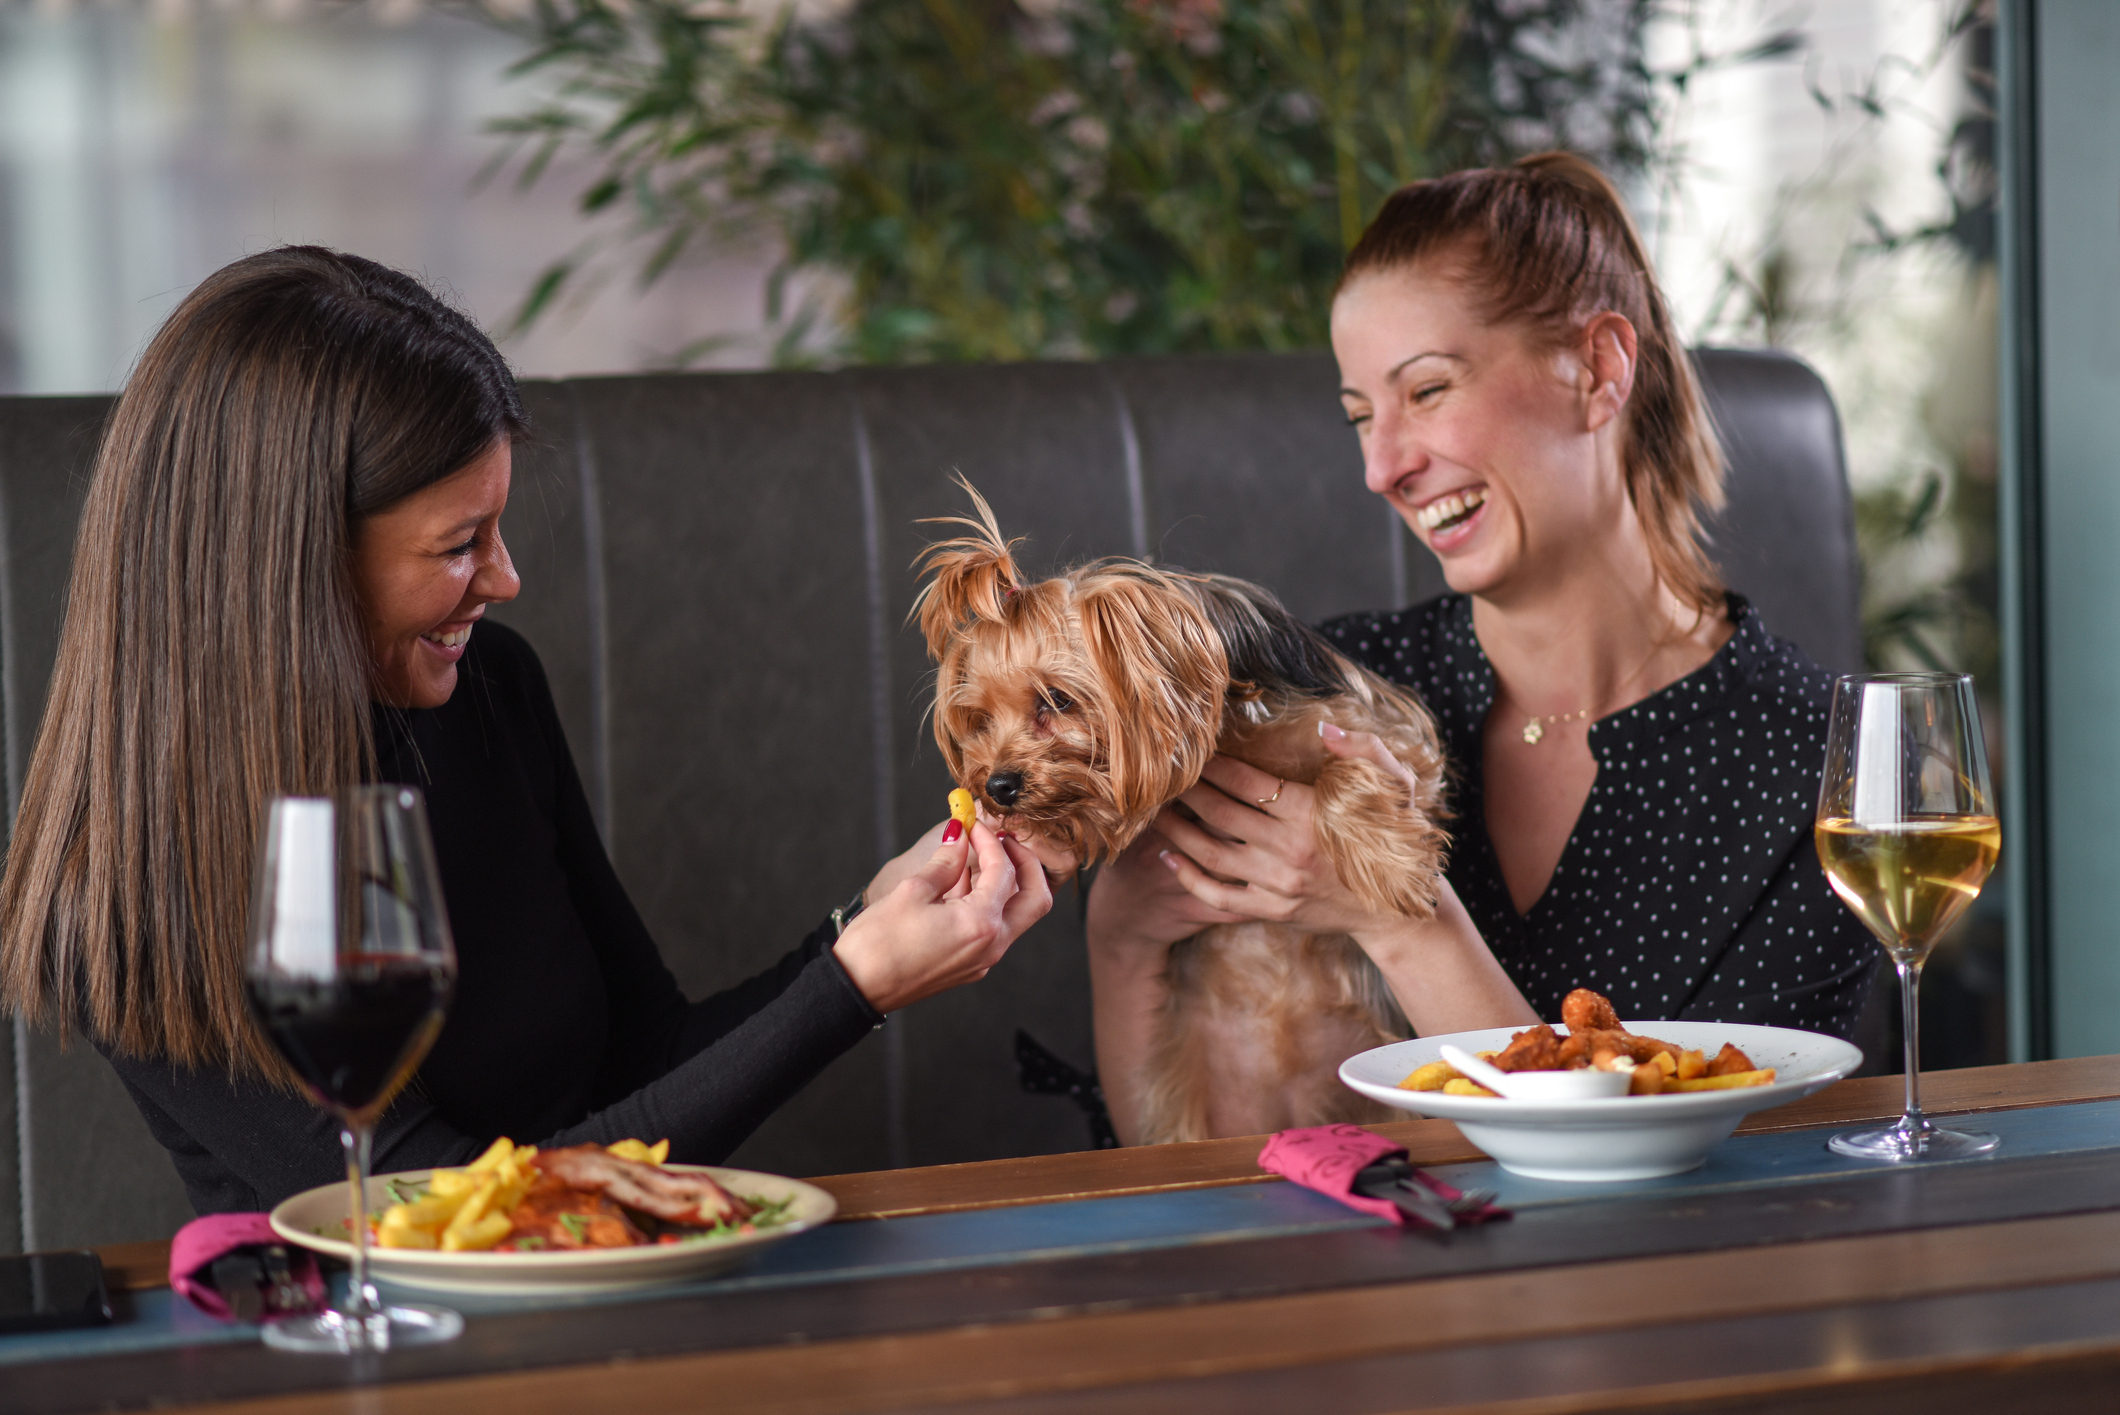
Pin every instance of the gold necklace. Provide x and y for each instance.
(1535, 726)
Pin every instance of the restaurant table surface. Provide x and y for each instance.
(1181, 1277)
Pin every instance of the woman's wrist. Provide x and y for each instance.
(1115, 938)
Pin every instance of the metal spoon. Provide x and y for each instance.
(1588, 1083)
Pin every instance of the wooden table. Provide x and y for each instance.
(1947, 1310)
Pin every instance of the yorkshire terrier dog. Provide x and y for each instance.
(1077, 707)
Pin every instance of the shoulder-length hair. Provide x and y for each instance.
(1547, 244)
(213, 654)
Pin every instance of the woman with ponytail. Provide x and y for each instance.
(1635, 757)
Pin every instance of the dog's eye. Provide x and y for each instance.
(1057, 701)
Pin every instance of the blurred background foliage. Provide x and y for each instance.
(989, 179)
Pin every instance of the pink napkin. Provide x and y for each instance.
(198, 1243)
(1328, 1157)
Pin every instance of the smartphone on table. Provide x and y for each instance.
(52, 1291)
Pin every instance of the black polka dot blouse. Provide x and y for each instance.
(1690, 887)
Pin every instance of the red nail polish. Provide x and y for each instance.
(951, 831)
(1006, 835)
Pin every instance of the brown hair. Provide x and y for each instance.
(1548, 244)
(213, 654)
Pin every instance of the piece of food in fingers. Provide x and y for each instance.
(964, 807)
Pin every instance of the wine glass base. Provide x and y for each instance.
(1898, 1144)
(334, 1333)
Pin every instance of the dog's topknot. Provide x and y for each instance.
(974, 575)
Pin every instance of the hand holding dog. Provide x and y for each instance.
(1255, 860)
(1263, 862)
(946, 923)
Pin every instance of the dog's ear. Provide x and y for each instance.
(974, 576)
(1162, 670)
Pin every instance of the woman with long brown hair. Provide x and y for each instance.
(279, 586)
(1635, 757)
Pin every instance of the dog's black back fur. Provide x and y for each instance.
(1269, 649)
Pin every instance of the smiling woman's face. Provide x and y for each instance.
(1484, 442)
(425, 570)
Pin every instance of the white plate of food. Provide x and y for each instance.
(1621, 1137)
(525, 1261)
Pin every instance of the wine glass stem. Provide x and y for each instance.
(360, 1301)
(1914, 1121)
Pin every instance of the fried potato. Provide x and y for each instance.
(476, 1237)
(396, 1231)
(501, 1149)
(1463, 1087)
(639, 1152)
(964, 807)
(1692, 1065)
(1665, 1062)
(1646, 1081)
(1432, 1077)
(1728, 1082)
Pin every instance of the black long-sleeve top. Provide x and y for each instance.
(566, 1026)
(1690, 887)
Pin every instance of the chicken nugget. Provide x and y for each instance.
(1730, 1062)
(1586, 1011)
(1533, 1049)
(1602, 1048)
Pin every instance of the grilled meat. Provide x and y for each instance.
(671, 1197)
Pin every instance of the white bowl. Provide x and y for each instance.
(312, 1215)
(1625, 1137)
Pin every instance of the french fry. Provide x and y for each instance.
(452, 1184)
(643, 1153)
(1431, 1077)
(1734, 1081)
(1665, 1062)
(501, 1149)
(1692, 1065)
(1647, 1079)
(397, 1231)
(476, 1237)
(460, 1229)
(1463, 1087)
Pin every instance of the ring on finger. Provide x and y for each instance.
(1277, 788)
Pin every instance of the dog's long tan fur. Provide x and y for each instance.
(1107, 689)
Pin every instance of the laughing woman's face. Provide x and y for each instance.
(425, 570)
(1485, 442)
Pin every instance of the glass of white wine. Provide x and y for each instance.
(1908, 835)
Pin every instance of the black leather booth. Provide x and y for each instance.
(716, 570)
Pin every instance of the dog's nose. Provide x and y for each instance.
(1003, 787)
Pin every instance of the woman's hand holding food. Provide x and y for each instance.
(946, 923)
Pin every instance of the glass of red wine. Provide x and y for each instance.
(350, 970)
